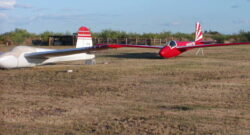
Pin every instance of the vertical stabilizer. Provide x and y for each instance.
(198, 33)
(84, 38)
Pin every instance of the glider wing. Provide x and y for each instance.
(62, 52)
(209, 45)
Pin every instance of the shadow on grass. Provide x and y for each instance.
(176, 108)
(136, 56)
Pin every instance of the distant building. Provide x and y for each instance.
(62, 40)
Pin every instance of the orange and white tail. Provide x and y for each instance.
(84, 38)
(198, 33)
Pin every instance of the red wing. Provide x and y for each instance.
(210, 45)
(135, 46)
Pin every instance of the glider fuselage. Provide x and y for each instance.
(16, 58)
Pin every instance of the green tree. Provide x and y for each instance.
(112, 34)
(45, 35)
(1, 39)
(244, 36)
(18, 35)
(164, 35)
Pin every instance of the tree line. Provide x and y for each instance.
(22, 36)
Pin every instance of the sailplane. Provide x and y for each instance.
(26, 56)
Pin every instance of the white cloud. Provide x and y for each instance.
(2, 16)
(11, 4)
(7, 4)
(23, 6)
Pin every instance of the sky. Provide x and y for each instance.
(140, 16)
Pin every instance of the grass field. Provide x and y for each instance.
(131, 92)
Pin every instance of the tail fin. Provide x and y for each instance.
(84, 38)
(198, 33)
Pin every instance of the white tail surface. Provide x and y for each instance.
(198, 33)
(84, 38)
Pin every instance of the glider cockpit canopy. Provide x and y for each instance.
(172, 44)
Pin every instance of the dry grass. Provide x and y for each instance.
(124, 94)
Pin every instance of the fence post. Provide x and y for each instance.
(73, 44)
(50, 41)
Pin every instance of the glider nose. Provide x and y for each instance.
(8, 62)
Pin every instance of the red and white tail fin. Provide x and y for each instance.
(198, 33)
(84, 38)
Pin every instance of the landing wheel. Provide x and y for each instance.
(90, 62)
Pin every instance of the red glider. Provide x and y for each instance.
(175, 48)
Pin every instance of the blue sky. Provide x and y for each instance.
(225, 16)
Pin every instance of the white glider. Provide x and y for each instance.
(26, 56)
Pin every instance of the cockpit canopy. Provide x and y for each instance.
(172, 44)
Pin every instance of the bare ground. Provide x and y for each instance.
(131, 91)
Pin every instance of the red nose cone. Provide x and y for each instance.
(168, 52)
